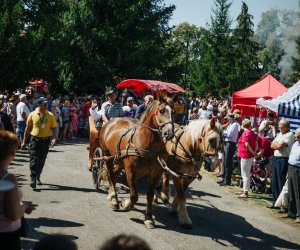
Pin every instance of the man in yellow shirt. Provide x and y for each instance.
(38, 126)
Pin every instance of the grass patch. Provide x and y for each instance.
(260, 199)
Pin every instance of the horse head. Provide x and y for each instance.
(159, 116)
(206, 141)
(212, 140)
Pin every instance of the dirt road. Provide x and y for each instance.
(68, 204)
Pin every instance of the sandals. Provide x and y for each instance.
(243, 195)
(239, 193)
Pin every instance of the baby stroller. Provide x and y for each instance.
(258, 176)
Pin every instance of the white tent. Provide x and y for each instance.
(289, 95)
(291, 111)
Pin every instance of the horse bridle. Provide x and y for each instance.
(202, 142)
(193, 159)
(160, 124)
(196, 159)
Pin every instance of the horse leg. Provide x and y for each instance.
(163, 189)
(180, 202)
(166, 193)
(112, 194)
(149, 222)
(128, 204)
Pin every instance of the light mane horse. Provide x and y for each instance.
(198, 142)
(135, 147)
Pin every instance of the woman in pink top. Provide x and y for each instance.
(246, 151)
(11, 206)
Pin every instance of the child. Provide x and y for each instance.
(74, 120)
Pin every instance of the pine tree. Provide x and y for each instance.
(215, 70)
(245, 51)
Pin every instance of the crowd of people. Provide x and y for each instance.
(35, 121)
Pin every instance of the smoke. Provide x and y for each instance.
(290, 31)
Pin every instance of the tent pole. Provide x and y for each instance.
(277, 121)
(254, 116)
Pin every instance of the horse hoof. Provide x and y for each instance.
(114, 206)
(126, 205)
(149, 224)
(186, 226)
(165, 198)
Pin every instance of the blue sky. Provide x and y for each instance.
(198, 11)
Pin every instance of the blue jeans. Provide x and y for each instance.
(21, 125)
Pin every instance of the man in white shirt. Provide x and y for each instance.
(282, 146)
(109, 109)
(294, 179)
(267, 127)
(22, 114)
(230, 139)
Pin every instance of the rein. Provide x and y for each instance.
(205, 152)
(161, 124)
(188, 159)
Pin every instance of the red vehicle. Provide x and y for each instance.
(40, 85)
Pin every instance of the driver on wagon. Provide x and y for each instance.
(109, 109)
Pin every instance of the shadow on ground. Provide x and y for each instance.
(226, 228)
(34, 235)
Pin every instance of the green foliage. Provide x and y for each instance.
(296, 63)
(81, 46)
(212, 71)
(182, 46)
(245, 51)
(12, 42)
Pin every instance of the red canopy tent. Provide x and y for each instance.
(138, 86)
(266, 87)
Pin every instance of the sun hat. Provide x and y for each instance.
(55, 103)
(42, 100)
(22, 96)
(109, 90)
(130, 98)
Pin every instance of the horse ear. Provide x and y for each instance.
(170, 102)
(213, 123)
(161, 99)
(174, 97)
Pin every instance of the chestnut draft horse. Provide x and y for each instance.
(198, 142)
(136, 146)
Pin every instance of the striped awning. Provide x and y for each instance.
(291, 111)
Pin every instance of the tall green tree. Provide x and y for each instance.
(80, 46)
(245, 52)
(214, 65)
(11, 44)
(183, 44)
(296, 63)
(125, 38)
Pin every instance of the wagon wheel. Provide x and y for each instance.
(99, 171)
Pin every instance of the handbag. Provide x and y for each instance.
(24, 230)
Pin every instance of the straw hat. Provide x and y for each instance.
(109, 90)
